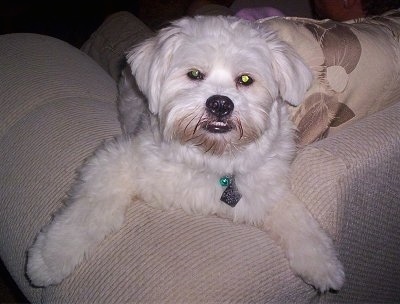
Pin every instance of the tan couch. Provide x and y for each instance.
(57, 104)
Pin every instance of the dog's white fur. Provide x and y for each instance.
(175, 158)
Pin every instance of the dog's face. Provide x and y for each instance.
(213, 80)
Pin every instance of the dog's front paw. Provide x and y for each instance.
(318, 266)
(49, 262)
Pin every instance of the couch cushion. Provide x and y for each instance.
(108, 49)
(356, 67)
(56, 105)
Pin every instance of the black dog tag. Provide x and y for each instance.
(231, 195)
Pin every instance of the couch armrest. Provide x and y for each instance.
(56, 105)
(351, 183)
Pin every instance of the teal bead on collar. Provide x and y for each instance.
(225, 181)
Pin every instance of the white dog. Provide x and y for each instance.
(212, 137)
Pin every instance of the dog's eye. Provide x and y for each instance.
(195, 75)
(245, 80)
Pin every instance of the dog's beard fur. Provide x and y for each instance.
(192, 129)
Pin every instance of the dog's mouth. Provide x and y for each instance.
(214, 135)
(218, 127)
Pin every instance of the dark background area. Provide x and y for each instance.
(73, 21)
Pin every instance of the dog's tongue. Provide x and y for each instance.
(218, 127)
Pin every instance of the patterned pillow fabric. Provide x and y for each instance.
(356, 65)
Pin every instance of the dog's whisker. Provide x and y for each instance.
(211, 147)
(240, 126)
(194, 138)
(266, 114)
(198, 123)
(200, 143)
(189, 123)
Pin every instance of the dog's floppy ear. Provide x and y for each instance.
(293, 75)
(149, 63)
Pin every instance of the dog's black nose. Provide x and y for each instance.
(219, 105)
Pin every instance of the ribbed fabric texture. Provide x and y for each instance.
(351, 182)
(36, 70)
(171, 257)
(117, 35)
(56, 106)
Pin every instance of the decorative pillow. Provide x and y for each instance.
(356, 66)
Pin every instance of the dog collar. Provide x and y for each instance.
(231, 195)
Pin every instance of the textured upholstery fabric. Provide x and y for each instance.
(56, 106)
(356, 67)
(60, 105)
(170, 257)
(108, 44)
(355, 194)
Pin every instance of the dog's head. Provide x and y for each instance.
(212, 81)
